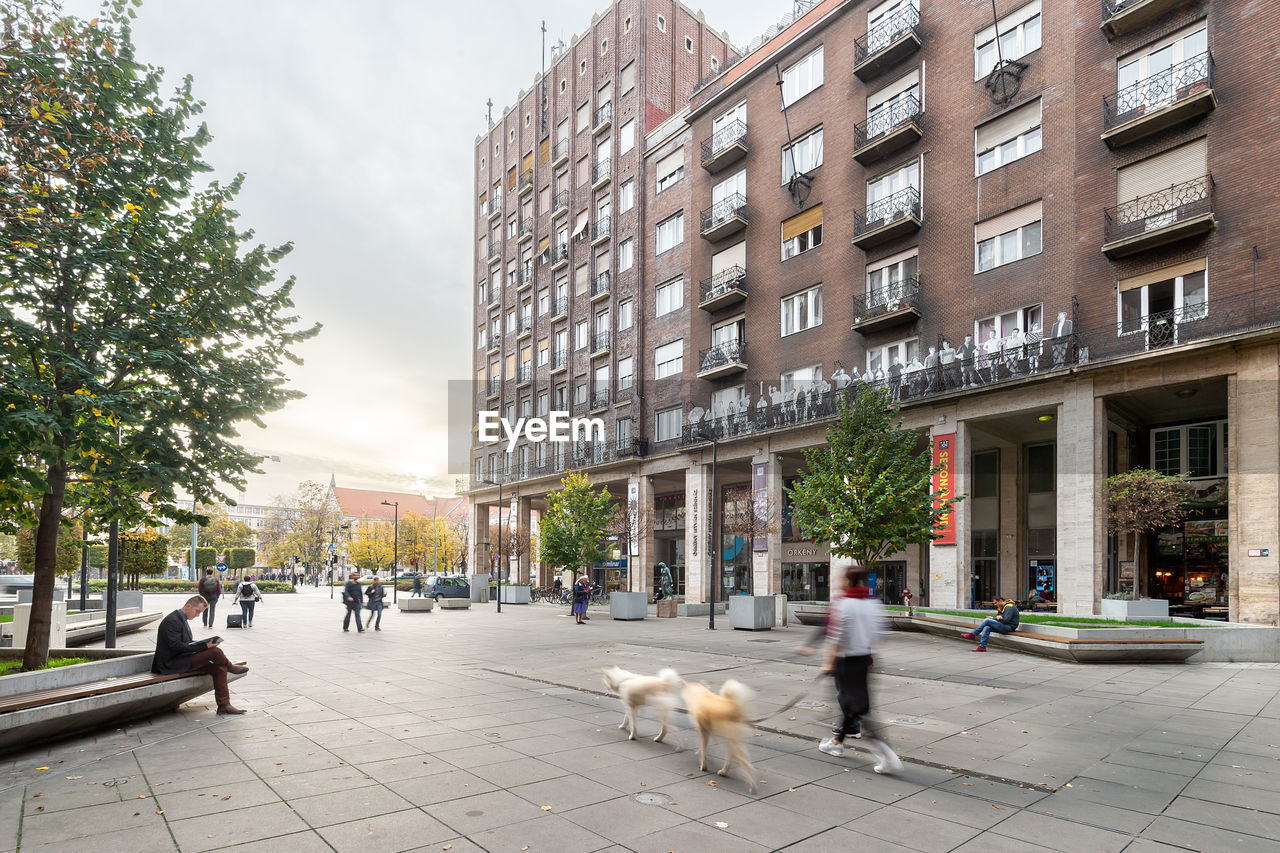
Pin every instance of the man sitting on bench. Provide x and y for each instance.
(1006, 621)
(178, 653)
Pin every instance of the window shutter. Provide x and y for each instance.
(582, 223)
(892, 259)
(1165, 274)
(1008, 22)
(544, 152)
(528, 161)
(628, 77)
(734, 256)
(1163, 171)
(511, 178)
(580, 280)
(584, 171)
(543, 244)
(895, 88)
(511, 365)
(801, 223)
(1005, 222)
(1009, 125)
(669, 164)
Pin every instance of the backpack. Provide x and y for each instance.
(246, 590)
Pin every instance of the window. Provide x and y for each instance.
(670, 233)
(1019, 35)
(1010, 329)
(1158, 303)
(624, 432)
(627, 137)
(511, 321)
(626, 25)
(544, 302)
(667, 425)
(481, 338)
(668, 359)
(604, 46)
(893, 104)
(730, 332)
(543, 404)
(602, 322)
(670, 171)
(627, 76)
(688, 44)
(1197, 450)
(562, 397)
(734, 185)
(670, 296)
(542, 352)
(884, 25)
(886, 282)
(584, 117)
(881, 359)
(725, 401)
(625, 309)
(526, 119)
(582, 68)
(802, 311)
(1011, 136)
(1152, 77)
(802, 78)
(626, 254)
(802, 157)
(512, 225)
(715, 65)
(801, 378)
(662, 24)
(580, 393)
(625, 372)
(564, 84)
(802, 232)
(907, 176)
(626, 196)
(562, 131)
(481, 293)
(562, 341)
(1007, 238)
(580, 335)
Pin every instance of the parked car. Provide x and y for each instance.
(446, 586)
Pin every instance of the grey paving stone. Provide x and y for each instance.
(388, 833)
(565, 793)
(520, 770)
(771, 825)
(1121, 796)
(1064, 835)
(296, 785)
(622, 819)
(153, 838)
(441, 787)
(1224, 816)
(216, 799)
(479, 812)
(630, 777)
(1066, 804)
(1197, 836)
(912, 829)
(842, 838)
(90, 821)
(970, 811)
(693, 837)
(548, 832)
(348, 805)
(209, 832)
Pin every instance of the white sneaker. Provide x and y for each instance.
(830, 747)
(889, 761)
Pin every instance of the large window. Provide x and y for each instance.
(668, 359)
(669, 297)
(627, 137)
(802, 78)
(581, 334)
(735, 184)
(626, 254)
(1010, 329)
(1159, 303)
(624, 314)
(1007, 238)
(667, 424)
(887, 280)
(1197, 450)
(881, 359)
(1011, 136)
(670, 233)
(626, 195)
(584, 117)
(1151, 77)
(893, 104)
(802, 157)
(907, 175)
(802, 232)
(669, 171)
(802, 378)
(802, 311)
(1019, 35)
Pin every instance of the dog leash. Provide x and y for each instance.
(791, 704)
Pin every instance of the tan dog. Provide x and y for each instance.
(637, 691)
(725, 714)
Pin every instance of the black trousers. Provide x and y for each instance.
(206, 618)
(852, 694)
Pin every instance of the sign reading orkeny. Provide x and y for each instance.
(944, 459)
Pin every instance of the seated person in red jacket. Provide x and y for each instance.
(177, 653)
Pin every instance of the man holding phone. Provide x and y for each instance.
(177, 652)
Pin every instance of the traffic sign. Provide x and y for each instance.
(221, 567)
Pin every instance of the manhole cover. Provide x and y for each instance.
(764, 641)
(907, 721)
(492, 734)
(649, 798)
(474, 814)
(810, 703)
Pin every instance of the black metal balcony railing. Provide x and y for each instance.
(600, 228)
(626, 448)
(900, 205)
(495, 385)
(729, 352)
(559, 359)
(526, 228)
(495, 296)
(1159, 209)
(561, 253)
(903, 110)
(1160, 90)
(526, 180)
(601, 171)
(561, 306)
(884, 300)
(604, 113)
(561, 201)
(600, 286)
(525, 326)
(885, 33)
(600, 342)
(561, 151)
(495, 205)
(1112, 7)
(724, 210)
(495, 251)
(525, 373)
(600, 399)
(725, 281)
(732, 133)
(526, 275)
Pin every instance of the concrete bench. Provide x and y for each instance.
(416, 605)
(1075, 649)
(455, 604)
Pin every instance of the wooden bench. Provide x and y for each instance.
(36, 698)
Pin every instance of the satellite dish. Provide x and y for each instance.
(1005, 80)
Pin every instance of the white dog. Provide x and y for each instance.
(635, 690)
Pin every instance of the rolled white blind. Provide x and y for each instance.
(1015, 218)
(1009, 125)
(1163, 171)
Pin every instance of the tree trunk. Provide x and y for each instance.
(36, 653)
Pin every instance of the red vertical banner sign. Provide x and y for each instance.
(944, 485)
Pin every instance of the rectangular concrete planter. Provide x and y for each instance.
(415, 605)
(699, 608)
(667, 608)
(752, 612)
(1143, 608)
(628, 605)
(518, 594)
(480, 588)
(456, 603)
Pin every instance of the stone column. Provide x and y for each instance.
(766, 565)
(697, 537)
(478, 533)
(1253, 425)
(1078, 480)
(640, 562)
(524, 511)
(949, 579)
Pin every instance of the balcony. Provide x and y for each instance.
(600, 400)
(1177, 95)
(604, 117)
(600, 343)
(560, 256)
(524, 376)
(495, 344)
(560, 204)
(495, 206)
(888, 219)
(600, 230)
(726, 146)
(560, 154)
(525, 327)
(559, 360)
(1177, 213)
(526, 182)
(725, 288)
(891, 41)
(888, 131)
(885, 307)
(600, 174)
(495, 297)
(722, 360)
(1121, 17)
(494, 387)
(631, 447)
(526, 230)
(561, 308)
(526, 276)
(724, 218)
(600, 287)
(626, 387)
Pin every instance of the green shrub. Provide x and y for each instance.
(241, 558)
(174, 585)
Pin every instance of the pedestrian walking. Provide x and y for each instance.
(353, 598)
(210, 589)
(1006, 621)
(559, 588)
(417, 586)
(855, 622)
(581, 594)
(247, 595)
(373, 598)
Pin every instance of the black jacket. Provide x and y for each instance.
(174, 646)
(375, 594)
(352, 594)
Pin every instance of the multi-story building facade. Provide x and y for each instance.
(1043, 231)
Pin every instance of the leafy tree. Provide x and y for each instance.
(372, 544)
(206, 558)
(138, 325)
(575, 525)
(241, 558)
(1140, 500)
(68, 550)
(142, 552)
(8, 546)
(869, 492)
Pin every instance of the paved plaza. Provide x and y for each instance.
(471, 730)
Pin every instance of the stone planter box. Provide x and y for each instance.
(455, 603)
(416, 605)
(518, 594)
(479, 588)
(667, 608)
(1143, 608)
(752, 612)
(628, 606)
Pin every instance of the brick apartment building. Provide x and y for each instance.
(1045, 232)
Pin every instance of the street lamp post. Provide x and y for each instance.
(716, 540)
(499, 569)
(395, 547)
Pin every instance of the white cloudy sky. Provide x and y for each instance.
(354, 123)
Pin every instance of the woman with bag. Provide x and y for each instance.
(247, 595)
(581, 594)
(373, 600)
